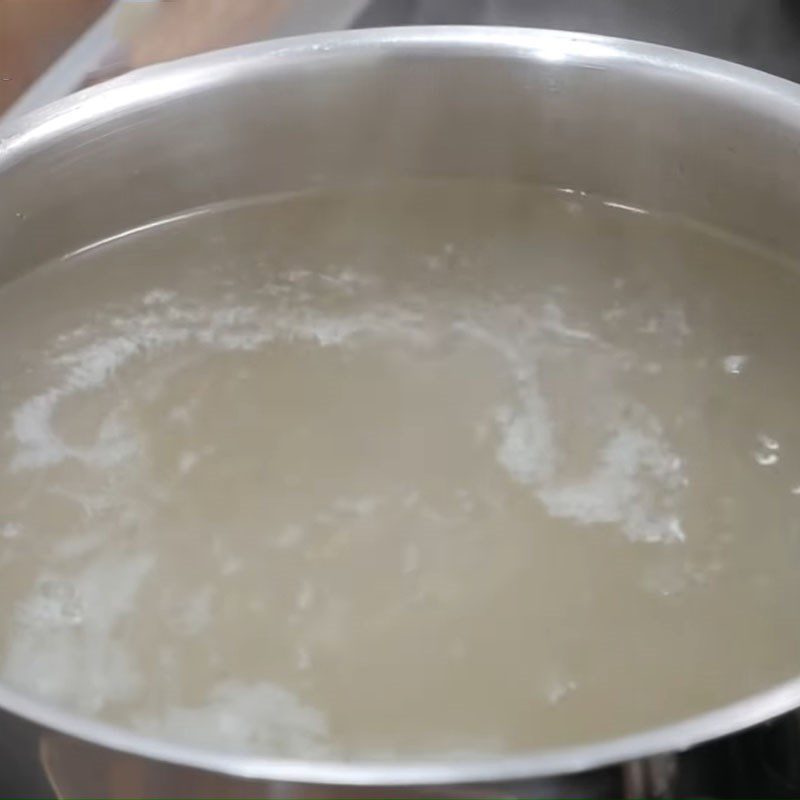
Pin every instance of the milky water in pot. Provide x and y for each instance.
(423, 469)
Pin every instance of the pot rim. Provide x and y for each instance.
(22, 137)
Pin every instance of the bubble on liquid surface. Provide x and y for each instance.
(767, 459)
(10, 530)
(56, 603)
(768, 442)
(735, 364)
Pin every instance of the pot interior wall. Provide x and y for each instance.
(564, 111)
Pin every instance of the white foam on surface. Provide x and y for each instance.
(735, 364)
(161, 325)
(527, 447)
(636, 483)
(63, 645)
(637, 480)
(634, 486)
(242, 718)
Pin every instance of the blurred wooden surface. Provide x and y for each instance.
(33, 33)
(185, 27)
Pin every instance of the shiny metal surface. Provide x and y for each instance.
(757, 33)
(642, 124)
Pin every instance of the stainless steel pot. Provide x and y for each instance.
(645, 125)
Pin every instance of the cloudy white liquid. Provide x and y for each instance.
(422, 470)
